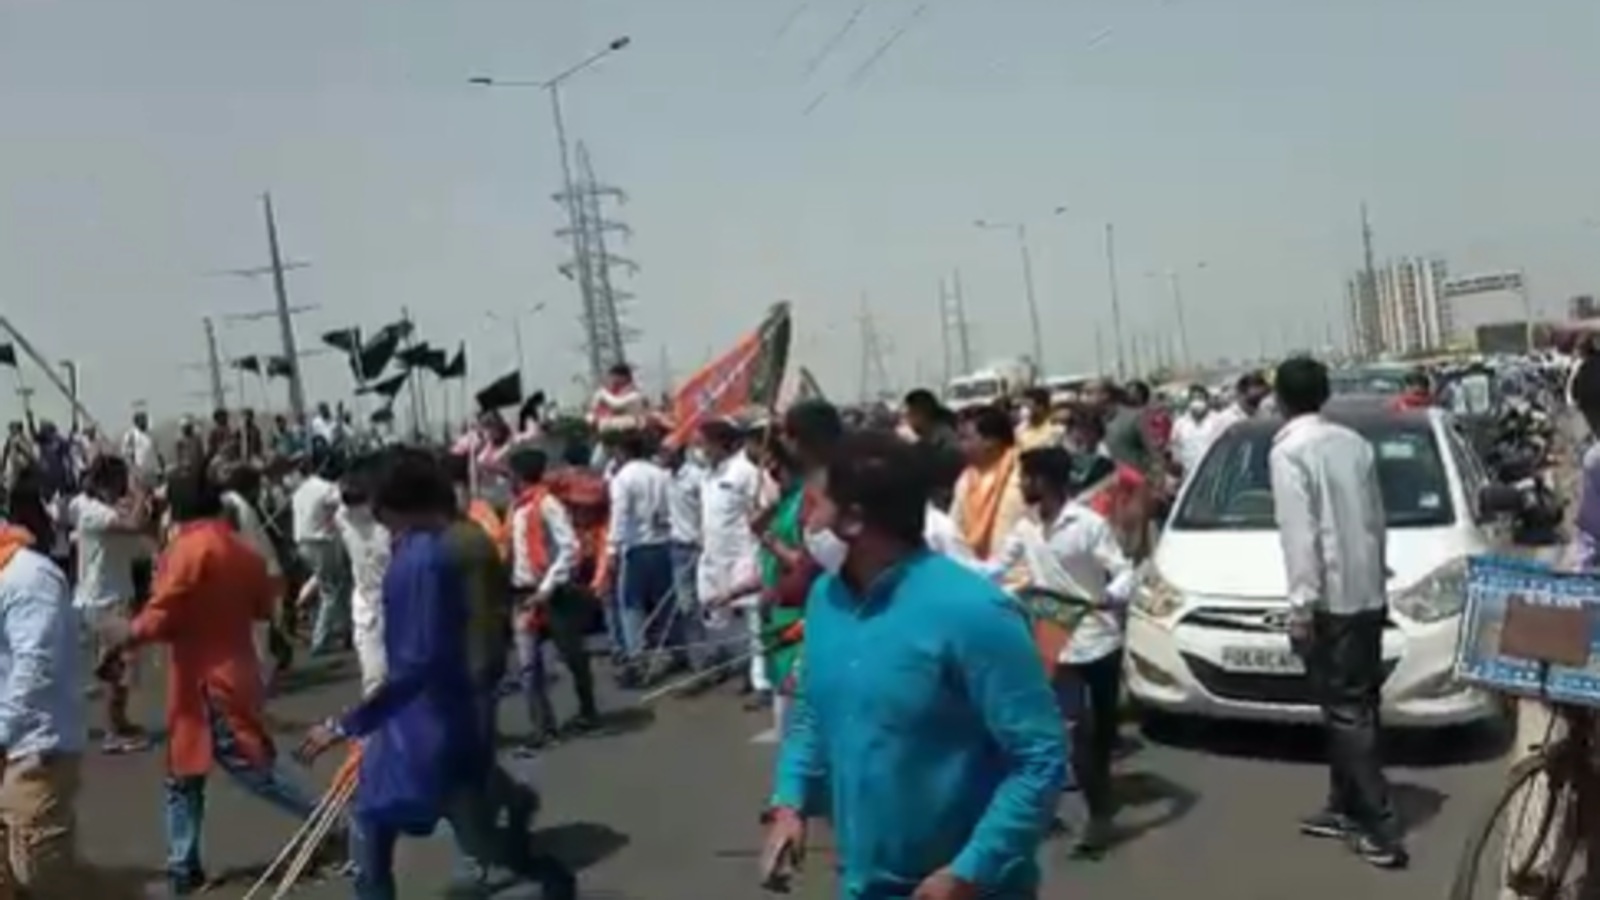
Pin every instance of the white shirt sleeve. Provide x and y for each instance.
(521, 570)
(621, 512)
(1120, 575)
(1294, 508)
(1013, 549)
(563, 540)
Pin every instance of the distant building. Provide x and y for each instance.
(1582, 307)
(1403, 312)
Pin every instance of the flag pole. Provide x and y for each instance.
(49, 373)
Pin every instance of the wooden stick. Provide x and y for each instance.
(309, 847)
(294, 842)
(694, 678)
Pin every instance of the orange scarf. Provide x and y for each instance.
(981, 500)
(12, 539)
(534, 548)
(482, 513)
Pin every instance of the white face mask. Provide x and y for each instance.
(1197, 408)
(827, 549)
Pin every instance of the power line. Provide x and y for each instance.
(838, 37)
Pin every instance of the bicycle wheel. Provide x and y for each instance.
(1504, 863)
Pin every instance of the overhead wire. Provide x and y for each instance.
(859, 74)
(833, 42)
(790, 20)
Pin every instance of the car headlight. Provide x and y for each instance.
(1438, 596)
(1154, 597)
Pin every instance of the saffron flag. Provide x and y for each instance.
(747, 374)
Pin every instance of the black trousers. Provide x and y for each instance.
(567, 619)
(1344, 662)
(1089, 694)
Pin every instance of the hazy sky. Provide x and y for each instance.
(137, 137)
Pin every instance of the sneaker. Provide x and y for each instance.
(1380, 853)
(1327, 824)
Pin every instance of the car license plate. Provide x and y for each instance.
(1262, 660)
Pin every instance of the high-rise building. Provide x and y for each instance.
(1582, 307)
(1404, 311)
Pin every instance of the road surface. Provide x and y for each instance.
(663, 807)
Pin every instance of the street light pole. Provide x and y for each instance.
(1116, 300)
(1021, 231)
(569, 197)
(1183, 326)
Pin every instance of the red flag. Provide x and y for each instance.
(748, 374)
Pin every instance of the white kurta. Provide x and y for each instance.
(366, 542)
(729, 553)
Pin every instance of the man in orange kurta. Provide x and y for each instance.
(210, 590)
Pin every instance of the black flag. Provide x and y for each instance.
(415, 356)
(502, 392)
(457, 366)
(248, 364)
(8, 355)
(345, 340)
(382, 415)
(278, 367)
(387, 387)
(379, 349)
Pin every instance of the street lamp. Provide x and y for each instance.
(1021, 232)
(515, 321)
(569, 200)
(1174, 284)
(1116, 294)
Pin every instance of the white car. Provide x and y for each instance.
(1207, 627)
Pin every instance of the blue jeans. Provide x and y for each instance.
(686, 587)
(186, 799)
(644, 581)
(326, 561)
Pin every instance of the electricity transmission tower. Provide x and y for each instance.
(605, 329)
(954, 328)
(875, 383)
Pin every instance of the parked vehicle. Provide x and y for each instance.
(1207, 632)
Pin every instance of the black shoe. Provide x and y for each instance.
(759, 700)
(186, 885)
(1380, 852)
(1327, 824)
(582, 723)
(1095, 841)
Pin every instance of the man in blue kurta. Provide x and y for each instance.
(926, 731)
(425, 752)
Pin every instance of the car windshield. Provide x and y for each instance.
(1232, 489)
(1366, 381)
(975, 389)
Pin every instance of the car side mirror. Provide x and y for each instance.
(1496, 500)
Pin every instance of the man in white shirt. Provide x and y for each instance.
(685, 518)
(1078, 580)
(43, 727)
(1329, 512)
(1250, 392)
(108, 536)
(140, 451)
(316, 537)
(1193, 430)
(639, 545)
(730, 497)
(366, 545)
(239, 499)
(544, 560)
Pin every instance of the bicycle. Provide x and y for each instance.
(1561, 776)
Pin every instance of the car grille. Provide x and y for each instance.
(1253, 687)
(1250, 620)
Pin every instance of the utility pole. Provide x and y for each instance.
(1116, 299)
(1099, 351)
(1183, 326)
(944, 329)
(963, 332)
(277, 266)
(219, 394)
(69, 371)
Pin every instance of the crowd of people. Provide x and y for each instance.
(861, 582)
